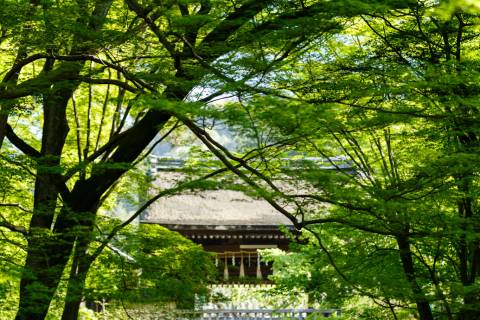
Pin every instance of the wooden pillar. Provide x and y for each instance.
(259, 270)
(225, 269)
(242, 268)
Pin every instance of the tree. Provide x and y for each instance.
(394, 97)
(126, 66)
(150, 265)
(321, 78)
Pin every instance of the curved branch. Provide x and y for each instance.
(10, 226)
(340, 272)
(79, 57)
(222, 154)
(117, 83)
(21, 144)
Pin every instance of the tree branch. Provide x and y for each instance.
(6, 224)
(219, 153)
(21, 144)
(147, 204)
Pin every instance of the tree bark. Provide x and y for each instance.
(469, 255)
(423, 307)
(76, 282)
(468, 249)
(45, 259)
(47, 253)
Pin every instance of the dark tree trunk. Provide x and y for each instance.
(423, 307)
(467, 141)
(47, 253)
(468, 249)
(46, 259)
(42, 273)
(3, 125)
(76, 283)
(86, 195)
(469, 257)
(81, 261)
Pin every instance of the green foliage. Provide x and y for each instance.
(385, 114)
(151, 265)
(357, 119)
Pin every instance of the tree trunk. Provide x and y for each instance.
(81, 261)
(423, 307)
(42, 273)
(76, 282)
(467, 141)
(85, 197)
(469, 256)
(46, 255)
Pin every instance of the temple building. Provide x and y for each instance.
(234, 227)
(227, 223)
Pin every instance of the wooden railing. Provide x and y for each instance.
(250, 314)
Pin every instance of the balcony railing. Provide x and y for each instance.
(249, 314)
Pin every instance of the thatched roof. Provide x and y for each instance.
(214, 208)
